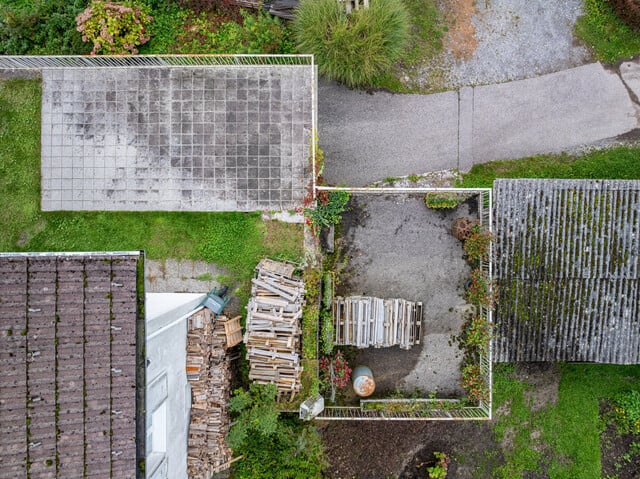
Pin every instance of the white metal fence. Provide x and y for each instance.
(36, 62)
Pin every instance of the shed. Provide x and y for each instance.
(567, 262)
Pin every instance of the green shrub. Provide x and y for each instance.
(627, 411)
(474, 384)
(258, 33)
(481, 291)
(41, 28)
(477, 244)
(327, 332)
(610, 38)
(329, 210)
(442, 201)
(272, 446)
(355, 48)
(115, 28)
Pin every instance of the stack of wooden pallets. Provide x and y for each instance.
(209, 375)
(365, 321)
(273, 331)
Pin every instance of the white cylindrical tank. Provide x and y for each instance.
(363, 383)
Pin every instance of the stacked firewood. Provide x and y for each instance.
(209, 375)
(273, 331)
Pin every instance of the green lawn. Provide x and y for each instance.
(234, 240)
(611, 39)
(613, 163)
(563, 439)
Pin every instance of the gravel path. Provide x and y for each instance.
(510, 40)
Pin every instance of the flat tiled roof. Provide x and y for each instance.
(68, 335)
(216, 138)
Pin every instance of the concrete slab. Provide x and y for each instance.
(190, 139)
(630, 73)
(465, 132)
(368, 137)
(398, 248)
(550, 113)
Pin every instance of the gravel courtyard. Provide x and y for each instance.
(397, 248)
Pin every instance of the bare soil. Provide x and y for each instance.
(618, 459)
(381, 449)
(460, 38)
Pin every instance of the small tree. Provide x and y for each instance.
(114, 28)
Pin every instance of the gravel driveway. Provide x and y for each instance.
(504, 40)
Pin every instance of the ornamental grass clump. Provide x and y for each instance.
(352, 48)
(115, 28)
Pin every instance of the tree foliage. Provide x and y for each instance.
(40, 28)
(273, 446)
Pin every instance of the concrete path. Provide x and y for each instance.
(368, 137)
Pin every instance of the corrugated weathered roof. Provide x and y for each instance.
(568, 266)
(68, 365)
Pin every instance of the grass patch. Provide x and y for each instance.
(563, 440)
(425, 42)
(609, 37)
(612, 163)
(235, 241)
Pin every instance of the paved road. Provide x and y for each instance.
(368, 137)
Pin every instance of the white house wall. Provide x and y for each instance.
(168, 394)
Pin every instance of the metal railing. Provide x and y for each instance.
(442, 409)
(39, 62)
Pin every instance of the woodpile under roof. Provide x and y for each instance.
(567, 262)
(273, 331)
(209, 375)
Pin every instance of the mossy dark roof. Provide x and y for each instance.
(567, 262)
(68, 337)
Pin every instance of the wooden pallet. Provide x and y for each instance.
(273, 330)
(365, 321)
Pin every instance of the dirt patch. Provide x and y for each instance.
(460, 39)
(359, 449)
(620, 452)
(544, 379)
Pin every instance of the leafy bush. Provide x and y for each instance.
(627, 411)
(473, 383)
(168, 24)
(442, 201)
(329, 210)
(41, 28)
(327, 332)
(311, 313)
(610, 38)
(272, 446)
(481, 291)
(439, 471)
(353, 48)
(476, 336)
(257, 33)
(477, 244)
(115, 28)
